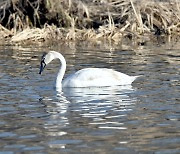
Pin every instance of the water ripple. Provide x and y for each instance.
(142, 118)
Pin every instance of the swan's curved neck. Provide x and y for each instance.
(62, 70)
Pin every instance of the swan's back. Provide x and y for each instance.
(90, 77)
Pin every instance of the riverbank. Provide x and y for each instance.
(35, 21)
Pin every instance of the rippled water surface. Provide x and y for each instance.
(142, 118)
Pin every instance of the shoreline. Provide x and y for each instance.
(88, 21)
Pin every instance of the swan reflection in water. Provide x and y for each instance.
(100, 104)
(79, 109)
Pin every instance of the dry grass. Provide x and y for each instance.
(92, 20)
(4, 32)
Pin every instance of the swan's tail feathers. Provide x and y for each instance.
(135, 77)
(138, 76)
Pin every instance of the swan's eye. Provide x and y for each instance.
(43, 61)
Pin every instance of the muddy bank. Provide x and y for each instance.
(44, 20)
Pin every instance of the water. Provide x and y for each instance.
(142, 118)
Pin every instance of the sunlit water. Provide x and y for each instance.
(142, 118)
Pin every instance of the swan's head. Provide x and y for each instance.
(46, 59)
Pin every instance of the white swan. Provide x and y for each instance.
(88, 77)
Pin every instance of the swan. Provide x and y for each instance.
(88, 77)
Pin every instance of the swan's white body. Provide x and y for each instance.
(88, 77)
(98, 77)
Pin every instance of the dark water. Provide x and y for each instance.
(142, 118)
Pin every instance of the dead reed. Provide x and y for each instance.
(88, 20)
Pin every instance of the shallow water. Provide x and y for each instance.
(142, 118)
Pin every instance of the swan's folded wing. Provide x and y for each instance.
(90, 77)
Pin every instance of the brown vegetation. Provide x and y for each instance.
(41, 20)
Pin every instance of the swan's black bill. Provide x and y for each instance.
(43, 64)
